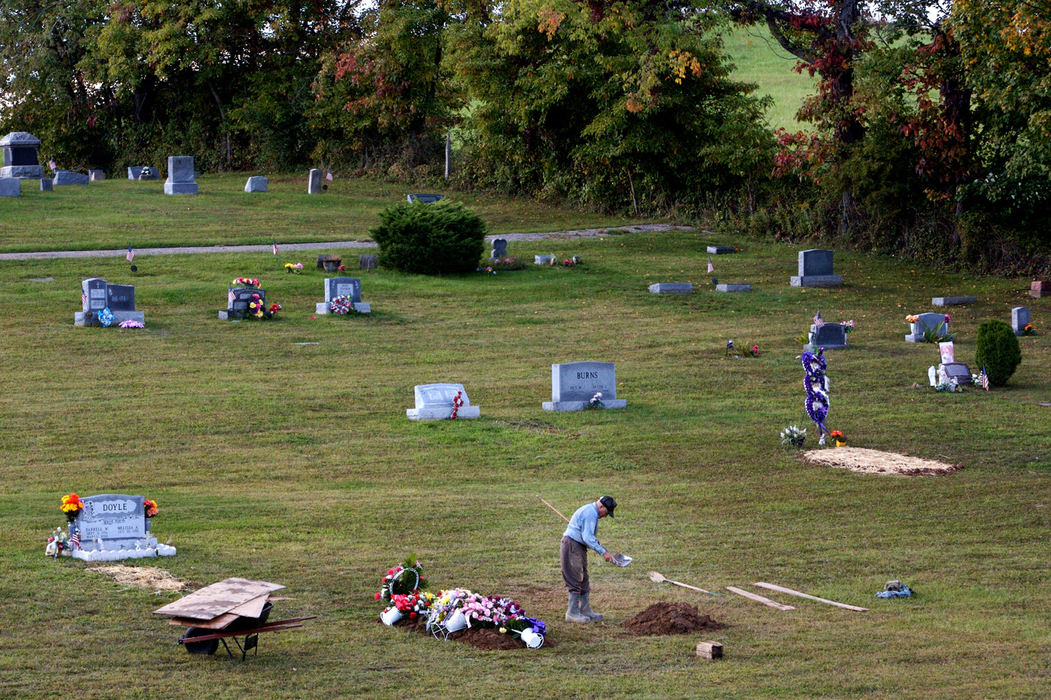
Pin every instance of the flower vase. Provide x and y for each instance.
(390, 616)
(840, 443)
(147, 526)
(455, 622)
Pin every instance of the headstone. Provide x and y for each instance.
(952, 301)
(314, 181)
(68, 177)
(924, 322)
(499, 249)
(828, 336)
(96, 175)
(20, 156)
(180, 176)
(721, 249)
(368, 262)
(424, 198)
(10, 187)
(576, 385)
(671, 288)
(815, 270)
(437, 401)
(1019, 319)
(349, 287)
(733, 287)
(1039, 288)
(96, 294)
(237, 301)
(958, 371)
(543, 259)
(114, 527)
(142, 172)
(329, 263)
(256, 183)
(46, 185)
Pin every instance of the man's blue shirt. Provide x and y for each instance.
(582, 527)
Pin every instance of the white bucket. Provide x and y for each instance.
(532, 639)
(455, 622)
(390, 616)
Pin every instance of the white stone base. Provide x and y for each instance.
(565, 406)
(442, 413)
(180, 188)
(154, 550)
(816, 281)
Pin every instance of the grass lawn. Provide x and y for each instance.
(271, 459)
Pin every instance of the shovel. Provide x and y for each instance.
(661, 578)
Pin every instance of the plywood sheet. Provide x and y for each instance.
(218, 598)
(253, 608)
(216, 623)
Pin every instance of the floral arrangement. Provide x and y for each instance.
(341, 305)
(294, 268)
(848, 326)
(753, 351)
(794, 436)
(595, 401)
(105, 317)
(413, 603)
(149, 507)
(341, 268)
(131, 323)
(951, 386)
(58, 545)
(816, 384)
(246, 282)
(457, 403)
(398, 582)
(733, 354)
(257, 308)
(1029, 329)
(839, 438)
(71, 506)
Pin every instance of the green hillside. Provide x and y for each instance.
(759, 59)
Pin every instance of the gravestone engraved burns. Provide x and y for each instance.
(575, 385)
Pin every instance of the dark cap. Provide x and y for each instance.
(609, 503)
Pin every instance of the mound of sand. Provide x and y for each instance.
(859, 459)
(149, 577)
(670, 618)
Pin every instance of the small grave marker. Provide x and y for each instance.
(237, 301)
(952, 301)
(733, 287)
(424, 198)
(368, 262)
(1039, 288)
(46, 185)
(1019, 319)
(576, 386)
(10, 187)
(828, 336)
(68, 177)
(96, 175)
(256, 183)
(816, 269)
(721, 249)
(671, 288)
(499, 249)
(439, 401)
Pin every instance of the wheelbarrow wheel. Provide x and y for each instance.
(206, 647)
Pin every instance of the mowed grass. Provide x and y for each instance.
(759, 59)
(290, 462)
(116, 213)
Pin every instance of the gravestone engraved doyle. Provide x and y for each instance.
(499, 249)
(46, 185)
(142, 172)
(952, 301)
(180, 176)
(671, 288)
(10, 187)
(20, 156)
(349, 287)
(96, 294)
(575, 384)
(96, 175)
(368, 262)
(237, 301)
(924, 322)
(721, 249)
(424, 198)
(733, 287)
(827, 336)
(114, 527)
(68, 177)
(1019, 319)
(815, 269)
(314, 181)
(436, 402)
(256, 183)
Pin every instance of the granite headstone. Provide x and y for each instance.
(256, 183)
(20, 156)
(96, 175)
(1019, 319)
(576, 385)
(180, 176)
(424, 198)
(10, 187)
(828, 336)
(929, 321)
(114, 527)
(436, 402)
(314, 181)
(349, 287)
(499, 249)
(815, 268)
(68, 177)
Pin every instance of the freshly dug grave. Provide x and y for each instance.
(149, 577)
(670, 618)
(481, 637)
(859, 459)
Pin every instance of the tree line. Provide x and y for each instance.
(929, 133)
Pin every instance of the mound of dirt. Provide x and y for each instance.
(149, 577)
(670, 618)
(859, 459)
(481, 637)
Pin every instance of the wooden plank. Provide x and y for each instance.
(253, 608)
(216, 623)
(789, 591)
(760, 599)
(218, 598)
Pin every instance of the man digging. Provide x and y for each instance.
(579, 535)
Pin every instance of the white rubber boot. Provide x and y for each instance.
(573, 614)
(585, 608)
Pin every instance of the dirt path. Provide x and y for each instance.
(191, 250)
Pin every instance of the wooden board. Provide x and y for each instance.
(760, 599)
(253, 608)
(789, 591)
(216, 623)
(218, 598)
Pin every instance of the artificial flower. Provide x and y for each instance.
(149, 507)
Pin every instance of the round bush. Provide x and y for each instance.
(998, 350)
(430, 239)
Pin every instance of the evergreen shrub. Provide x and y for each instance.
(998, 350)
(430, 239)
